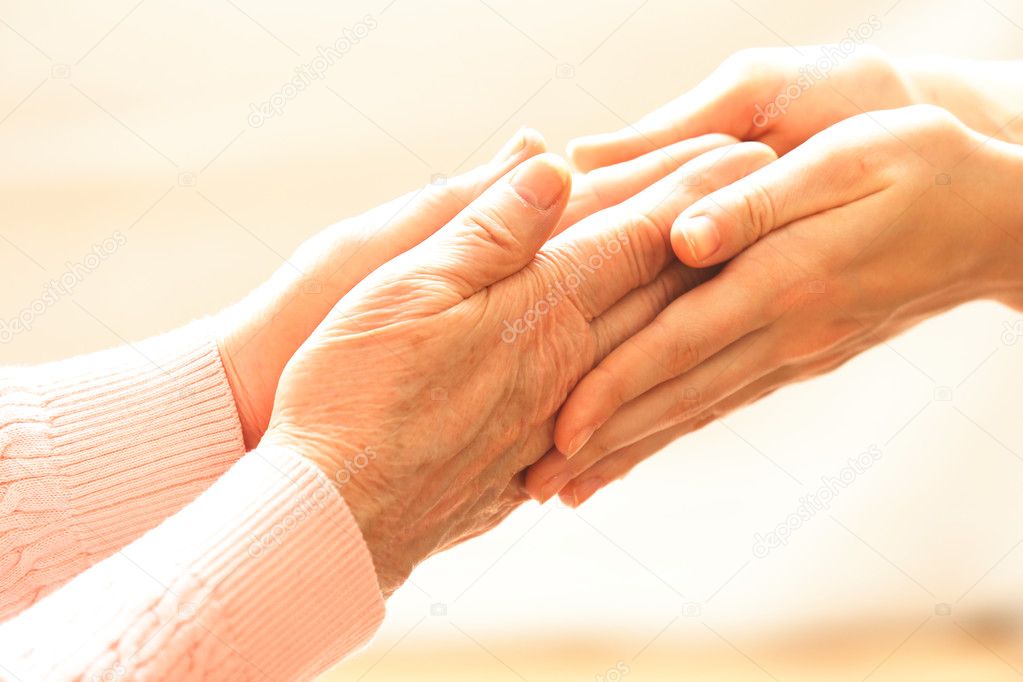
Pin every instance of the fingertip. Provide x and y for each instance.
(533, 141)
(579, 491)
(523, 144)
(574, 428)
(696, 240)
(546, 477)
(542, 181)
(583, 152)
(590, 152)
(757, 155)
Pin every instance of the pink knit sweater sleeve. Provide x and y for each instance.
(265, 574)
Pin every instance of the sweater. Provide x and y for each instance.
(138, 540)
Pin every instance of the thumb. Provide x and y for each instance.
(814, 177)
(499, 233)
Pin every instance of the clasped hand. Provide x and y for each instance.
(525, 332)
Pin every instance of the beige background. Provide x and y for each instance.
(134, 116)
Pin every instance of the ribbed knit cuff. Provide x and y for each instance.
(265, 576)
(277, 571)
(302, 587)
(137, 432)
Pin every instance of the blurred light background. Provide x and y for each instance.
(136, 116)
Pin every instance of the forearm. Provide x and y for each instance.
(986, 95)
(98, 449)
(1000, 214)
(264, 576)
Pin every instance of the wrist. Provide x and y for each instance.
(985, 95)
(1012, 255)
(252, 425)
(344, 470)
(997, 206)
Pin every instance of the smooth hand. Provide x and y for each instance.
(778, 96)
(864, 230)
(435, 381)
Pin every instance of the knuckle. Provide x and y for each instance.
(597, 449)
(648, 245)
(487, 224)
(748, 62)
(873, 62)
(610, 387)
(686, 403)
(681, 353)
(756, 211)
(755, 154)
(930, 116)
(669, 285)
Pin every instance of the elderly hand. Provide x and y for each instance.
(260, 334)
(435, 381)
(864, 230)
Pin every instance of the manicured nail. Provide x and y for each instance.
(515, 144)
(701, 235)
(580, 439)
(553, 485)
(584, 490)
(539, 182)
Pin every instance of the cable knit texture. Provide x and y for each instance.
(265, 574)
(96, 450)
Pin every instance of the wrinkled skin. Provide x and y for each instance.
(259, 334)
(416, 365)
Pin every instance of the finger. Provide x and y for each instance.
(743, 298)
(554, 473)
(675, 401)
(620, 322)
(499, 233)
(628, 244)
(618, 464)
(622, 461)
(441, 200)
(663, 407)
(388, 230)
(641, 306)
(713, 106)
(826, 172)
(606, 187)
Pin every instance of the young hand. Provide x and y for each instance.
(864, 230)
(782, 96)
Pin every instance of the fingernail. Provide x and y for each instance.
(539, 182)
(580, 439)
(701, 235)
(553, 485)
(515, 144)
(584, 490)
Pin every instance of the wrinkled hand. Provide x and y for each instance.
(435, 381)
(260, 334)
(866, 229)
